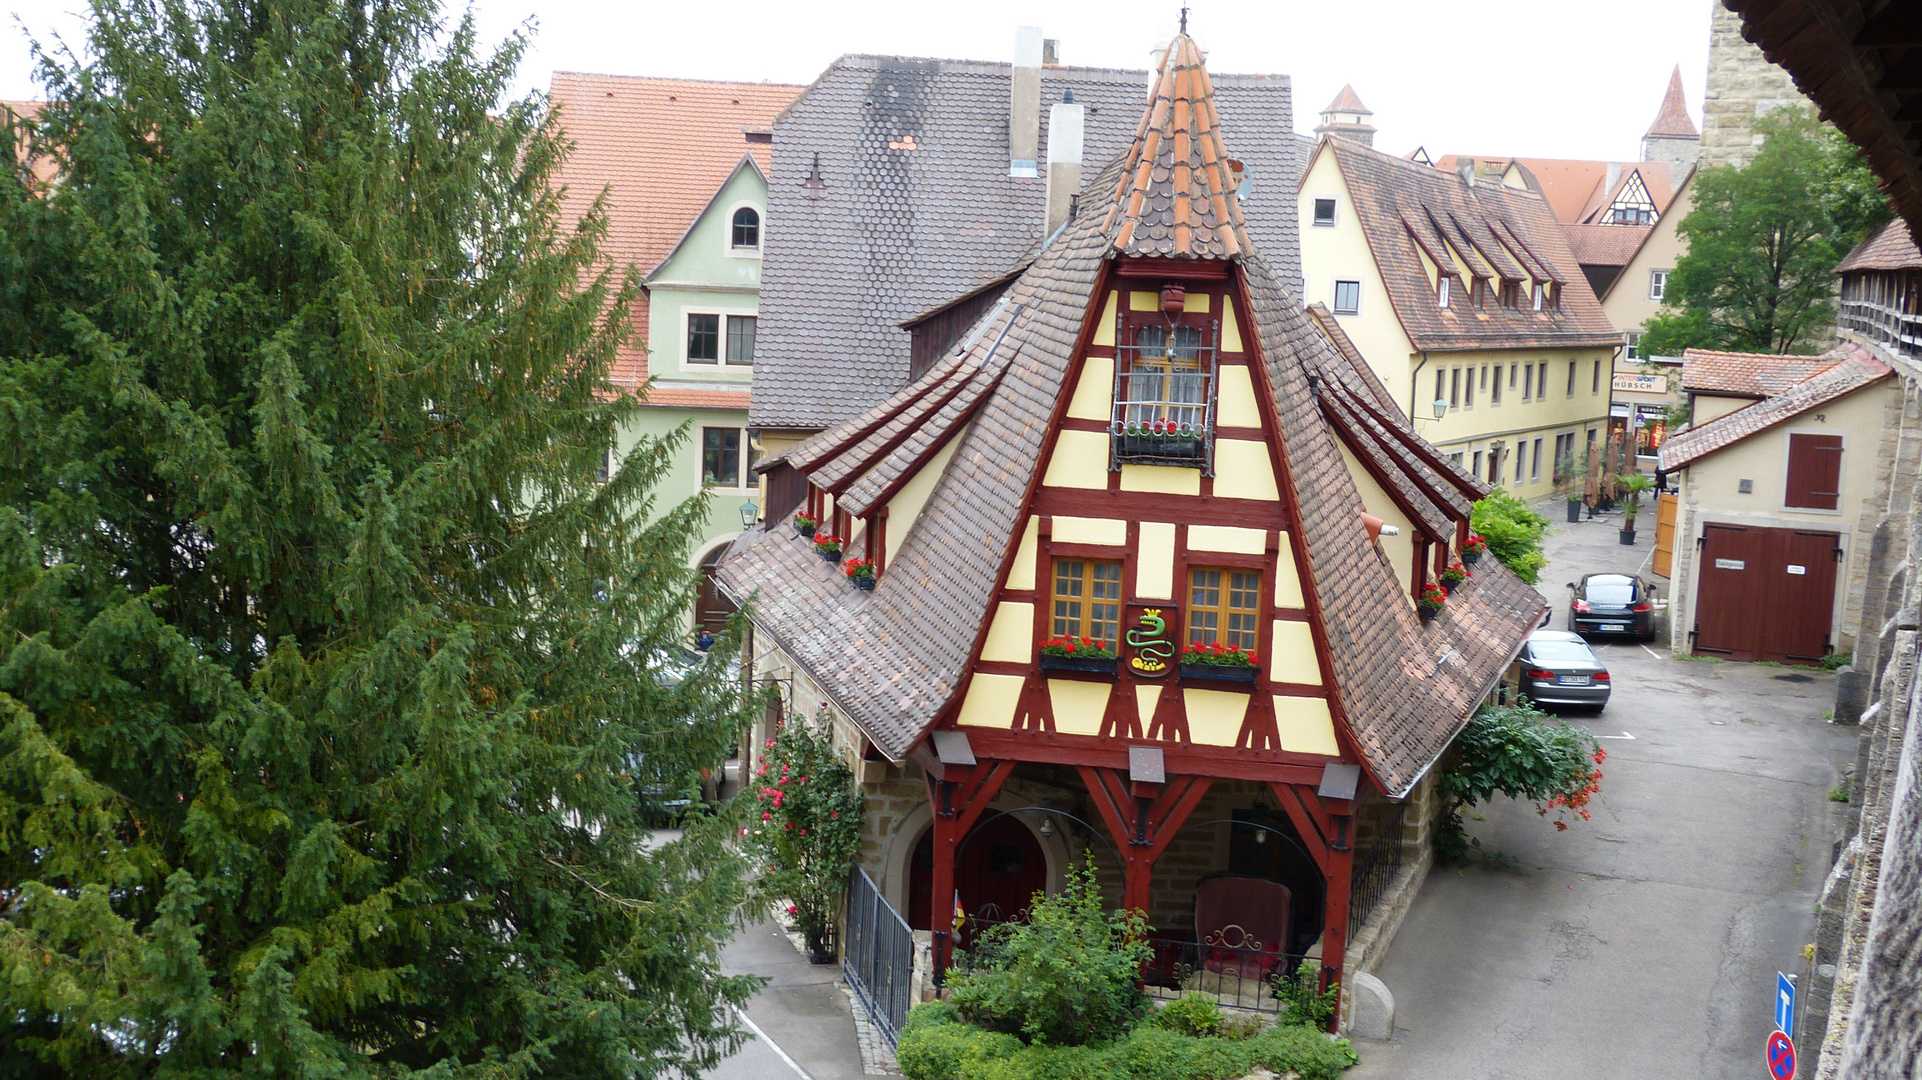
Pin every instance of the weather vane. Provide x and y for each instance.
(1184, 18)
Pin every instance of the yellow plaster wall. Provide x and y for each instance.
(1144, 301)
(1236, 406)
(1400, 549)
(1021, 571)
(1230, 329)
(1094, 394)
(1227, 538)
(1242, 470)
(1104, 330)
(1288, 592)
(1713, 407)
(1468, 428)
(1305, 724)
(1078, 705)
(1214, 717)
(905, 508)
(1161, 479)
(1011, 634)
(1292, 658)
(1079, 530)
(1626, 303)
(1155, 561)
(991, 700)
(1341, 252)
(1080, 460)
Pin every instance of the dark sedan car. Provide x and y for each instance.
(1556, 667)
(1612, 604)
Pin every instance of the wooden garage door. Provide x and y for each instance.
(1765, 594)
(1665, 508)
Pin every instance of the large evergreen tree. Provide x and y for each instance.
(1763, 242)
(325, 660)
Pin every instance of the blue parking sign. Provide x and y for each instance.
(1784, 1004)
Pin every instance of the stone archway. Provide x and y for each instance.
(916, 829)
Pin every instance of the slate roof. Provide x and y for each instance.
(893, 658)
(661, 148)
(1853, 372)
(898, 232)
(1176, 197)
(1672, 118)
(1890, 248)
(1405, 208)
(1605, 245)
(1737, 374)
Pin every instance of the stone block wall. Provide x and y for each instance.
(1742, 86)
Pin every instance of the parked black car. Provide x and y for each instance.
(1557, 667)
(1612, 604)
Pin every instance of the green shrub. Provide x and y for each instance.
(1519, 751)
(1190, 1014)
(935, 1045)
(1304, 1050)
(1068, 976)
(1304, 1001)
(1514, 533)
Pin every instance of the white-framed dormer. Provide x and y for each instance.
(732, 229)
(730, 323)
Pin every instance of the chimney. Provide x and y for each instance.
(1466, 167)
(1066, 124)
(1024, 104)
(1050, 52)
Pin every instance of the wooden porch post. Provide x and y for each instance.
(1143, 819)
(1327, 826)
(958, 799)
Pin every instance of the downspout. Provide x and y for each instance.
(1414, 388)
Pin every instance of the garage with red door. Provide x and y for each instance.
(1766, 593)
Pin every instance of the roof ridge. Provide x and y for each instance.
(676, 79)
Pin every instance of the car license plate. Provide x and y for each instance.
(1573, 680)
(1614, 626)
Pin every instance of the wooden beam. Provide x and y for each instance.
(1186, 759)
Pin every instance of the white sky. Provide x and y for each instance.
(1543, 78)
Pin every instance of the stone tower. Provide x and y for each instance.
(1347, 118)
(1672, 137)
(1742, 85)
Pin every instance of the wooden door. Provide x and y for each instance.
(1728, 598)
(1801, 588)
(1665, 512)
(997, 871)
(711, 608)
(1766, 594)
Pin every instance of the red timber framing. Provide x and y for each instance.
(959, 796)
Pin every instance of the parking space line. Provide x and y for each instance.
(1651, 652)
(772, 1045)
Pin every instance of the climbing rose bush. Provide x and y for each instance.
(804, 826)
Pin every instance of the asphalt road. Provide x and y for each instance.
(1643, 943)
(805, 1027)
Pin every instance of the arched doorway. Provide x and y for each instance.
(999, 869)
(711, 607)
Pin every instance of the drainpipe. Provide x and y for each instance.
(1414, 388)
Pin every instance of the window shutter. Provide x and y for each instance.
(1815, 472)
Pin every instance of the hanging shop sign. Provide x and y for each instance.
(1151, 643)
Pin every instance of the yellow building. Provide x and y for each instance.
(1637, 292)
(1461, 293)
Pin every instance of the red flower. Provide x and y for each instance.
(1252, 662)
(767, 817)
(1219, 648)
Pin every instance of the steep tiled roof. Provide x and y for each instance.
(1175, 198)
(1737, 374)
(1329, 327)
(1672, 119)
(1404, 207)
(1578, 191)
(1605, 245)
(1857, 370)
(1659, 179)
(44, 168)
(917, 208)
(661, 148)
(1890, 248)
(895, 657)
(1347, 101)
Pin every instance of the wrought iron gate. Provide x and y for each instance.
(879, 959)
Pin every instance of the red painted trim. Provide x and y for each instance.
(1149, 506)
(1370, 466)
(955, 428)
(1133, 267)
(1187, 759)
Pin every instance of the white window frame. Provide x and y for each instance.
(1442, 291)
(1631, 344)
(1657, 284)
(720, 360)
(1334, 211)
(1541, 295)
(743, 481)
(727, 232)
(1335, 298)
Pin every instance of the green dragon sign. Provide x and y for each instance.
(1153, 645)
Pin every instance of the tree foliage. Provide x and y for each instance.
(1520, 752)
(322, 652)
(1513, 531)
(1763, 242)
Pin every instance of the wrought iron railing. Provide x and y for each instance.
(879, 965)
(1164, 403)
(1374, 870)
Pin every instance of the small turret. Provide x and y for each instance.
(1347, 118)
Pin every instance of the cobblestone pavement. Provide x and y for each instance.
(1643, 943)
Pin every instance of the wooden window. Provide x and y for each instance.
(1166, 376)
(746, 232)
(1454, 388)
(721, 457)
(1224, 606)
(1540, 296)
(1087, 600)
(703, 339)
(1495, 392)
(740, 339)
(1511, 293)
(1595, 380)
(1815, 472)
(1478, 293)
(1657, 284)
(1511, 378)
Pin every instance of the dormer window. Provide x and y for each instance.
(745, 231)
(1478, 294)
(1164, 389)
(1511, 294)
(1442, 290)
(1325, 212)
(1541, 296)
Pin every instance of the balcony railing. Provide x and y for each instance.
(1889, 327)
(1164, 403)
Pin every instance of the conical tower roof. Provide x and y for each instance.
(1672, 120)
(1347, 101)
(1176, 195)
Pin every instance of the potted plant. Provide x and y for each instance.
(806, 524)
(1163, 438)
(1632, 485)
(1453, 575)
(861, 572)
(1568, 485)
(1429, 601)
(1077, 654)
(1473, 548)
(1227, 663)
(828, 546)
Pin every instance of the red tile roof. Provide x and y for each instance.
(1347, 101)
(1605, 245)
(1672, 118)
(1175, 197)
(661, 148)
(1890, 248)
(1850, 373)
(1737, 374)
(44, 168)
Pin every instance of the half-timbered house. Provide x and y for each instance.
(1144, 448)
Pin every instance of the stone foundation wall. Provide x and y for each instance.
(1742, 86)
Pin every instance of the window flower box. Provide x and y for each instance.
(1161, 441)
(805, 525)
(1078, 654)
(1473, 549)
(1219, 673)
(828, 547)
(1430, 600)
(861, 572)
(1221, 663)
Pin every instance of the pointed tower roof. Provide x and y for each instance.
(1672, 120)
(1350, 102)
(1176, 197)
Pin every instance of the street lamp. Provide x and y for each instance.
(750, 513)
